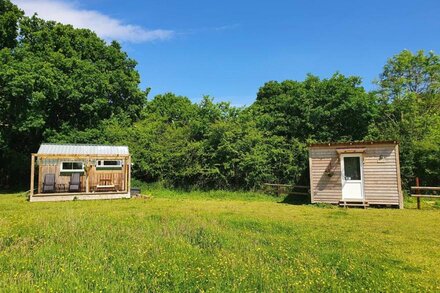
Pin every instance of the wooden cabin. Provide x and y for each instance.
(80, 171)
(355, 173)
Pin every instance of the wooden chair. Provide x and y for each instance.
(75, 182)
(49, 183)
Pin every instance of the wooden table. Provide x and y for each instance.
(61, 187)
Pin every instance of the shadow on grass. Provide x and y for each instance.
(296, 199)
(11, 191)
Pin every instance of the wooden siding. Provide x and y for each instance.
(325, 188)
(116, 177)
(381, 175)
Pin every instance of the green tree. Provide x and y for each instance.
(174, 109)
(409, 95)
(331, 109)
(10, 15)
(57, 80)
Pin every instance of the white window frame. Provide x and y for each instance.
(103, 166)
(72, 170)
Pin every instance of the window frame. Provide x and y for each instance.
(101, 166)
(358, 168)
(62, 170)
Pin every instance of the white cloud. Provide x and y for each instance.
(105, 26)
(210, 29)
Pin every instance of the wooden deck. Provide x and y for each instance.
(79, 196)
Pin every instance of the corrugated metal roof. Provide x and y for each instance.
(81, 149)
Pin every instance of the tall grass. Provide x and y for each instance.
(177, 241)
(157, 189)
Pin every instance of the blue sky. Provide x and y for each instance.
(228, 49)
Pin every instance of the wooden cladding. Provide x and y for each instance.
(350, 151)
(381, 172)
(92, 180)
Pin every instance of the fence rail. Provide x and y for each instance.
(287, 188)
(419, 189)
(435, 188)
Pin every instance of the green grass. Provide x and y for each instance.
(217, 241)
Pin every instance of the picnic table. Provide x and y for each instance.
(105, 184)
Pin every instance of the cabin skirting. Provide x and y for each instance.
(77, 196)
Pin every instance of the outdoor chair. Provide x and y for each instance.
(75, 182)
(49, 183)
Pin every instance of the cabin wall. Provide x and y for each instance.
(324, 188)
(96, 177)
(381, 184)
(380, 174)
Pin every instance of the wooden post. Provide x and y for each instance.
(39, 178)
(129, 175)
(311, 175)
(399, 180)
(125, 174)
(418, 192)
(32, 175)
(87, 170)
(87, 180)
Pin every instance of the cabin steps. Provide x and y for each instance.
(354, 203)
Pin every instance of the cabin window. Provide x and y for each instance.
(109, 164)
(72, 167)
(352, 168)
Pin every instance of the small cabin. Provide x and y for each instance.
(355, 173)
(80, 171)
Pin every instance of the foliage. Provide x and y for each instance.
(215, 241)
(55, 79)
(60, 84)
(9, 18)
(409, 95)
(331, 109)
(205, 145)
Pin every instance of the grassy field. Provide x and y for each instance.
(217, 241)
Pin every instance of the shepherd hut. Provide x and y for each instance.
(355, 173)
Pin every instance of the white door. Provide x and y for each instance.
(352, 177)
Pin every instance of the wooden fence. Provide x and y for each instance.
(419, 192)
(280, 189)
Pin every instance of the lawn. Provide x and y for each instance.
(218, 241)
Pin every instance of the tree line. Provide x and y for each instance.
(66, 85)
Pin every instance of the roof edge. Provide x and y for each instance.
(353, 143)
(83, 144)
